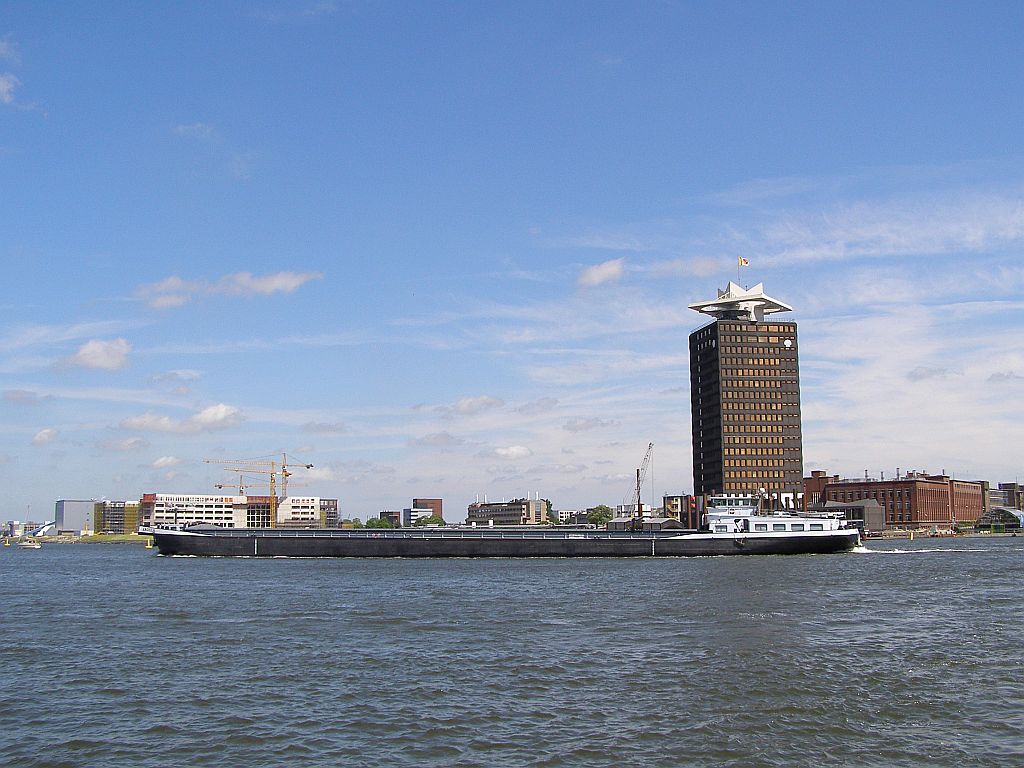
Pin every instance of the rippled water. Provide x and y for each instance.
(906, 654)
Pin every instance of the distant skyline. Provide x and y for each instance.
(445, 249)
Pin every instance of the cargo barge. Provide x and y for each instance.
(729, 531)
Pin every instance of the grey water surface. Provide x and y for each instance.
(905, 654)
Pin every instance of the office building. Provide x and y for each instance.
(515, 512)
(436, 506)
(164, 509)
(745, 398)
(115, 517)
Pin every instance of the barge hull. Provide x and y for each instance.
(241, 543)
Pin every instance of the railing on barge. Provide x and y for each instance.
(426, 533)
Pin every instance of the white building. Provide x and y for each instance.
(301, 511)
(167, 509)
(410, 515)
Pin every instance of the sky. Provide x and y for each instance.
(445, 249)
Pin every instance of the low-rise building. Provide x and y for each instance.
(115, 517)
(436, 506)
(167, 509)
(911, 501)
(329, 512)
(421, 509)
(1007, 495)
(515, 512)
(565, 516)
(73, 515)
(170, 509)
(686, 508)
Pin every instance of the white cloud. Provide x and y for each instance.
(606, 272)
(215, 417)
(535, 407)
(324, 427)
(8, 83)
(200, 131)
(128, 445)
(220, 416)
(512, 452)
(175, 292)
(175, 377)
(585, 425)
(106, 355)
(247, 284)
(21, 337)
(437, 440)
(1005, 376)
(9, 51)
(44, 436)
(151, 422)
(954, 223)
(240, 165)
(469, 406)
(21, 396)
(166, 461)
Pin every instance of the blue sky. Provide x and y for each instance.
(445, 249)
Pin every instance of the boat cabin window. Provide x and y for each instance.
(760, 526)
(721, 529)
(778, 526)
(798, 526)
(817, 527)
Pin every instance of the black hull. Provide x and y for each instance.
(270, 543)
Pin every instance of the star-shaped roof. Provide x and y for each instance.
(737, 302)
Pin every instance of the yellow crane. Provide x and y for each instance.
(242, 484)
(285, 474)
(264, 467)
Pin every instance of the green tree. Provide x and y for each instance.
(432, 520)
(600, 514)
(376, 522)
(549, 513)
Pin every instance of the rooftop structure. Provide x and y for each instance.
(738, 303)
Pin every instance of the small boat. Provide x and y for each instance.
(29, 544)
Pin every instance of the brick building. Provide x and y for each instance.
(913, 501)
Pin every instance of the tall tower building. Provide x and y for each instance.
(745, 397)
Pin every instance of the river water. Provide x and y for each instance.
(905, 654)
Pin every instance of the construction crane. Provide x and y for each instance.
(264, 467)
(641, 475)
(285, 474)
(243, 483)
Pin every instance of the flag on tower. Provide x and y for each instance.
(742, 262)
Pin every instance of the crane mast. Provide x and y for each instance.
(641, 475)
